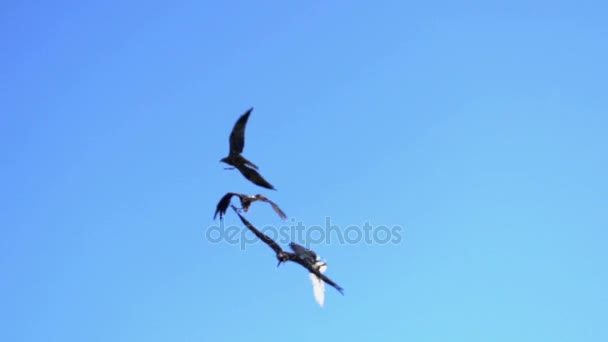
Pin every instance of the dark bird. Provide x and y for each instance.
(305, 257)
(235, 157)
(246, 201)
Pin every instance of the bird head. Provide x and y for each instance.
(224, 160)
(282, 257)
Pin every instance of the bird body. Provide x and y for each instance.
(304, 253)
(237, 160)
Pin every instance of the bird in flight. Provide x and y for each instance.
(246, 201)
(235, 157)
(305, 257)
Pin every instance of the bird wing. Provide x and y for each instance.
(318, 288)
(313, 268)
(270, 242)
(254, 177)
(223, 204)
(330, 282)
(237, 136)
(275, 207)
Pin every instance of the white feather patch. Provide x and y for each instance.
(318, 288)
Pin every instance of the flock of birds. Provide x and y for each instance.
(300, 255)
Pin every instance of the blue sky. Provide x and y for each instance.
(477, 128)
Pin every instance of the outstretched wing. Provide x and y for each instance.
(316, 270)
(275, 207)
(255, 177)
(318, 288)
(270, 242)
(237, 136)
(223, 204)
(330, 282)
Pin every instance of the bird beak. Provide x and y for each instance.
(279, 263)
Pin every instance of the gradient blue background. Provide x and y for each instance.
(479, 128)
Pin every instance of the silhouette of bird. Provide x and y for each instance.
(305, 257)
(246, 201)
(235, 157)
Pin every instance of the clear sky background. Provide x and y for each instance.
(478, 128)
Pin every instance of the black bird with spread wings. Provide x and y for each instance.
(246, 201)
(236, 159)
(305, 257)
